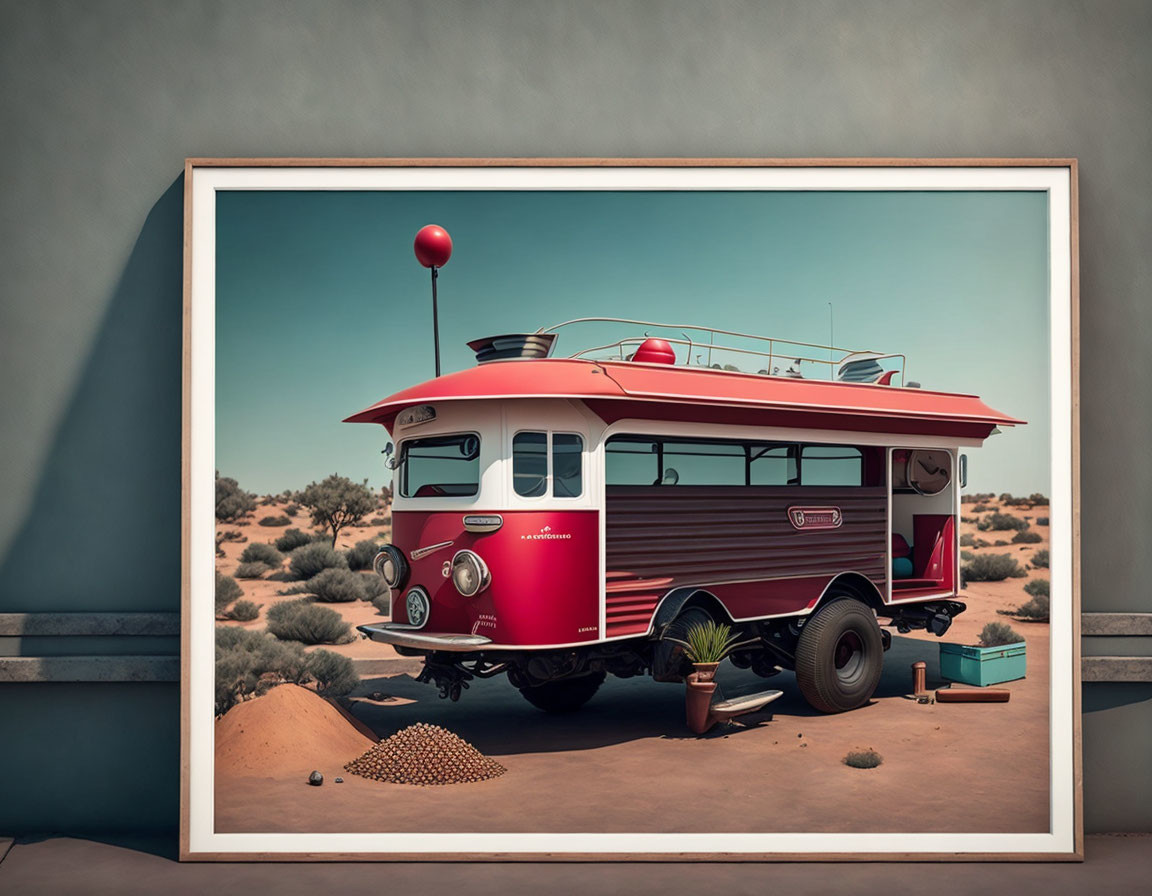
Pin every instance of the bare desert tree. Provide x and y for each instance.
(338, 502)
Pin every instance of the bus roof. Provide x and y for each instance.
(616, 390)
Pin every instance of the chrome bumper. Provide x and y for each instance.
(402, 636)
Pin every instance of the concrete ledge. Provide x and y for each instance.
(1116, 668)
(28, 669)
(1093, 624)
(56, 624)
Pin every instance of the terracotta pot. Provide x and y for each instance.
(698, 703)
(705, 671)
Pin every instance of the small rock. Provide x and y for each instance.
(339, 780)
(799, 735)
(315, 779)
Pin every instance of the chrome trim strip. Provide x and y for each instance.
(432, 548)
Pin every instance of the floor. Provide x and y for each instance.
(61, 866)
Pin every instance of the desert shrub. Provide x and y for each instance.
(333, 673)
(969, 519)
(1003, 521)
(997, 634)
(1038, 587)
(991, 568)
(362, 554)
(248, 661)
(292, 539)
(380, 520)
(374, 586)
(863, 759)
(244, 611)
(1038, 499)
(1000, 543)
(967, 555)
(299, 588)
(1026, 536)
(338, 502)
(227, 590)
(976, 498)
(302, 620)
(383, 604)
(337, 586)
(275, 521)
(980, 543)
(1040, 559)
(984, 524)
(967, 540)
(981, 508)
(258, 552)
(311, 559)
(252, 570)
(1036, 609)
(292, 509)
(232, 502)
(1041, 521)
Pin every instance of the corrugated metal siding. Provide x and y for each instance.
(703, 534)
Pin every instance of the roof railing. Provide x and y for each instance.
(774, 349)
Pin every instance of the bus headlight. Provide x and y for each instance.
(469, 573)
(391, 566)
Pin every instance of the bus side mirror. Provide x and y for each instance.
(389, 460)
(963, 471)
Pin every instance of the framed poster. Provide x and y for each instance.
(464, 525)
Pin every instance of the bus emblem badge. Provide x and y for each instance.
(815, 517)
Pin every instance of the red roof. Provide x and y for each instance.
(618, 389)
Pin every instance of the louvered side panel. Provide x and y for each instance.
(701, 535)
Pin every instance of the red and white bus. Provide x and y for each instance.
(558, 519)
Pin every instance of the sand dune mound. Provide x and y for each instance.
(289, 731)
(425, 754)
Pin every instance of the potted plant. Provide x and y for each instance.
(1000, 656)
(706, 644)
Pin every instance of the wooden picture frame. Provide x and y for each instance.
(1056, 178)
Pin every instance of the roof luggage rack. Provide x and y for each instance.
(770, 356)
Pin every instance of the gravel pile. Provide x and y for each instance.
(425, 755)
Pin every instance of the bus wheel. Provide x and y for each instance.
(839, 656)
(564, 694)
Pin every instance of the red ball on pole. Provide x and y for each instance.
(433, 246)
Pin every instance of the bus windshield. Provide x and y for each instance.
(440, 466)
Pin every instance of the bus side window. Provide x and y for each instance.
(530, 464)
(773, 465)
(567, 465)
(634, 461)
(831, 465)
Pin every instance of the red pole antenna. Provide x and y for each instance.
(433, 248)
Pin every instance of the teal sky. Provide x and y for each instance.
(322, 309)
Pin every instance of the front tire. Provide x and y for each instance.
(564, 694)
(839, 656)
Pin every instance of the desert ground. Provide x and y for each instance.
(626, 761)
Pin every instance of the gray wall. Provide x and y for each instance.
(102, 101)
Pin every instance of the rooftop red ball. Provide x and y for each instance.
(433, 246)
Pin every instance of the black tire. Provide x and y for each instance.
(564, 694)
(839, 656)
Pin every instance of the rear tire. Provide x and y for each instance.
(564, 694)
(839, 656)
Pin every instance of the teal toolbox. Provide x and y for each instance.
(982, 666)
